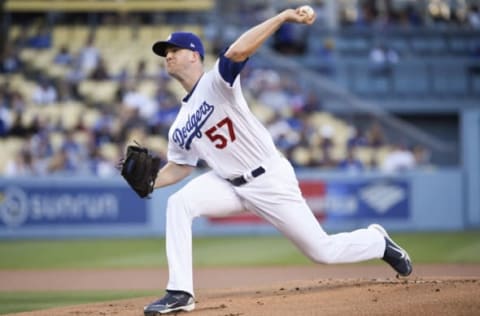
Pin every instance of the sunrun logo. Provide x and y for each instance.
(382, 197)
(20, 207)
(13, 207)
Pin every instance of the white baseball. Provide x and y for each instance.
(308, 10)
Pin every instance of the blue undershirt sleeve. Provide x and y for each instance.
(229, 69)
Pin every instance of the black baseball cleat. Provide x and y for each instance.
(395, 255)
(172, 301)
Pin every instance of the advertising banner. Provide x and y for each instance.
(42, 206)
(346, 200)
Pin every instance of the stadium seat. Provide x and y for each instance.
(410, 78)
(449, 79)
(157, 143)
(110, 151)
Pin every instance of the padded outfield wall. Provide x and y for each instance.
(89, 207)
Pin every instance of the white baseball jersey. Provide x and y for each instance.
(216, 125)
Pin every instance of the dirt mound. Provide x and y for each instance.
(387, 296)
(329, 290)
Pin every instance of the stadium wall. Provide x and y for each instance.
(88, 207)
(471, 162)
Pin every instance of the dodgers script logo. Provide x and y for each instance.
(183, 136)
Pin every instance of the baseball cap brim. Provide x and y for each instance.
(160, 48)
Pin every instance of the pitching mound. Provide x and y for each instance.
(419, 296)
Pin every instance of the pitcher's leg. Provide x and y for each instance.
(277, 197)
(296, 222)
(205, 195)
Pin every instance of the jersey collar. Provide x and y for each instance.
(187, 97)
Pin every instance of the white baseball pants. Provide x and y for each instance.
(276, 197)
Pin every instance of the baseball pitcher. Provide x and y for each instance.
(248, 174)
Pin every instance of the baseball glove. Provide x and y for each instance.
(139, 169)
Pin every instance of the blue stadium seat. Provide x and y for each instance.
(431, 45)
(475, 85)
(400, 45)
(358, 45)
(367, 84)
(459, 45)
(448, 79)
(410, 78)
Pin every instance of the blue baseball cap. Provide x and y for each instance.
(179, 39)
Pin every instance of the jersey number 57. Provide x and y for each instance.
(218, 139)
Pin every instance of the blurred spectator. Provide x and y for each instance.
(130, 119)
(65, 91)
(351, 163)
(327, 161)
(382, 60)
(307, 131)
(312, 103)
(422, 156)
(100, 166)
(100, 72)
(326, 55)
(290, 39)
(367, 15)
(474, 17)
(60, 163)
(42, 150)
(284, 136)
(413, 17)
(356, 138)
(373, 162)
(134, 99)
(122, 89)
(327, 145)
(141, 71)
(398, 160)
(296, 101)
(81, 124)
(165, 116)
(161, 74)
(6, 117)
(122, 76)
(75, 76)
(21, 165)
(17, 102)
(17, 129)
(75, 153)
(3, 127)
(9, 60)
(375, 135)
(20, 41)
(44, 92)
(89, 55)
(326, 133)
(163, 94)
(103, 128)
(63, 57)
(6, 113)
(273, 93)
(42, 39)
(37, 125)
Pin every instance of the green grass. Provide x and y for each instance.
(455, 247)
(29, 301)
(51, 254)
(215, 251)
